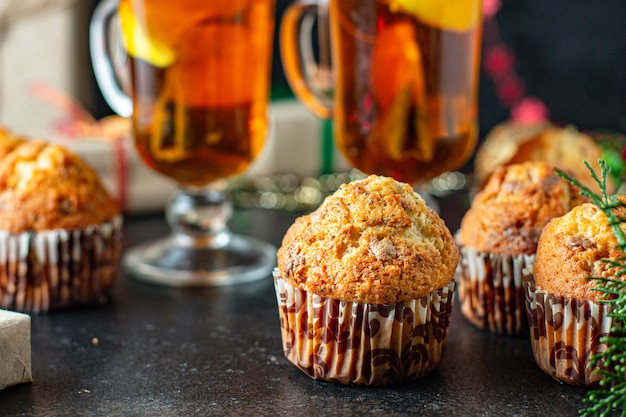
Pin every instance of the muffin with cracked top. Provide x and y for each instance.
(567, 318)
(498, 238)
(60, 230)
(365, 286)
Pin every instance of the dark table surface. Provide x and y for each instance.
(154, 351)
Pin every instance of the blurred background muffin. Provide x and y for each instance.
(60, 230)
(498, 238)
(567, 321)
(365, 286)
(512, 143)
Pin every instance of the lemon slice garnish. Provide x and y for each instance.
(456, 15)
(138, 43)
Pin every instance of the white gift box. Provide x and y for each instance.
(295, 143)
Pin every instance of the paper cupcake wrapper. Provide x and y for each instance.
(491, 292)
(363, 344)
(55, 269)
(565, 333)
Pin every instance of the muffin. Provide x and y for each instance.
(566, 318)
(365, 286)
(8, 142)
(498, 238)
(513, 143)
(60, 231)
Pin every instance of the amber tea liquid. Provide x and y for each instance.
(200, 92)
(405, 96)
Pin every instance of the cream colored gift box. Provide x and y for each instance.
(15, 366)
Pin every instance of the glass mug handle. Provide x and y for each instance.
(108, 56)
(311, 82)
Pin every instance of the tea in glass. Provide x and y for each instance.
(200, 86)
(198, 74)
(405, 80)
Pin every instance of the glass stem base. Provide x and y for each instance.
(201, 250)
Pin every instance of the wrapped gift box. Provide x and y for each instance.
(15, 366)
(295, 143)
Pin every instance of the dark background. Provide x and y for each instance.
(572, 55)
(569, 53)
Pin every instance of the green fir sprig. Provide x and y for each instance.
(610, 398)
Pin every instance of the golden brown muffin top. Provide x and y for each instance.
(571, 249)
(8, 142)
(373, 241)
(508, 215)
(44, 186)
(513, 143)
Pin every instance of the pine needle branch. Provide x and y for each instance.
(610, 399)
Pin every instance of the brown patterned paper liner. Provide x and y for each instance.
(491, 292)
(565, 333)
(363, 344)
(56, 269)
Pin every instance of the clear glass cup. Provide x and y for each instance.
(401, 84)
(194, 76)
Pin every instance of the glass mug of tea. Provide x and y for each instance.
(197, 74)
(403, 96)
